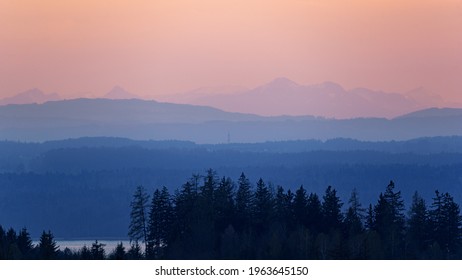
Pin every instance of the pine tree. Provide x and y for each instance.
(244, 197)
(119, 252)
(418, 234)
(47, 246)
(2, 244)
(354, 215)
(446, 224)
(138, 216)
(299, 206)
(331, 210)
(97, 251)
(224, 204)
(25, 244)
(159, 225)
(262, 207)
(314, 219)
(389, 221)
(11, 245)
(283, 207)
(85, 253)
(135, 252)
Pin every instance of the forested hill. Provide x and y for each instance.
(81, 188)
(142, 119)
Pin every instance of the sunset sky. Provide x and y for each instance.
(155, 47)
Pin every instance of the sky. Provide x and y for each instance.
(157, 47)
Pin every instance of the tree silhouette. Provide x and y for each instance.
(138, 216)
(47, 246)
(97, 251)
(159, 225)
(119, 252)
(446, 224)
(25, 244)
(418, 232)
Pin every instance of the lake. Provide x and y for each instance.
(76, 245)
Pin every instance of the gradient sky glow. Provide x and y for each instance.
(154, 47)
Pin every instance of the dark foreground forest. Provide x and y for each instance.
(216, 218)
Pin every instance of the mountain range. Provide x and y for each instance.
(142, 119)
(282, 96)
(285, 97)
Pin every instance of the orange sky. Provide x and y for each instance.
(153, 47)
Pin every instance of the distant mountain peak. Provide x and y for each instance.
(30, 96)
(282, 82)
(118, 92)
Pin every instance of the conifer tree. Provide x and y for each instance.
(119, 252)
(25, 244)
(224, 204)
(47, 246)
(262, 206)
(354, 215)
(244, 197)
(418, 235)
(97, 251)
(138, 216)
(446, 224)
(300, 207)
(331, 210)
(389, 221)
(314, 213)
(159, 225)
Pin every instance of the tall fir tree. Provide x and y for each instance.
(159, 225)
(446, 224)
(418, 230)
(299, 206)
(138, 216)
(389, 222)
(263, 207)
(25, 244)
(244, 198)
(47, 247)
(332, 210)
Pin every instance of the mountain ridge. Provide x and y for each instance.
(282, 96)
(142, 120)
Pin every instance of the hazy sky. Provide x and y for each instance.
(153, 47)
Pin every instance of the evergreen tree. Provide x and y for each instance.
(25, 244)
(244, 197)
(389, 221)
(138, 216)
(283, 207)
(314, 219)
(418, 228)
(47, 247)
(331, 210)
(2, 244)
(11, 243)
(300, 207)
(224, 204)
(262, 207)
(370, 219)
(119, 252)
(446, 224)
(85, 253)
(354, 215)
(97, 251)
(160, 219)
(135, 252)
(185, 215)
